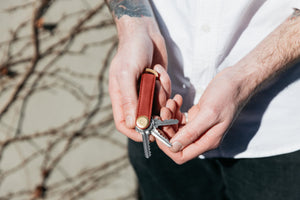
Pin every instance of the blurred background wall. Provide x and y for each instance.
(57, 135)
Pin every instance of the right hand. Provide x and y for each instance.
(140, 46)
(208, 121)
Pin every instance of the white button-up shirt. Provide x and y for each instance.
(206, 36)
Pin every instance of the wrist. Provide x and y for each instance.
(127, 27)
(245, 81)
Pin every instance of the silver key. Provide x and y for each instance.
(152, 129)
(157, 122)
(146, 144)
(161, 138)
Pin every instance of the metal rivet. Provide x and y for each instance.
(142, 122)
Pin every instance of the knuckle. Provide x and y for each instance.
(123, 67)
(171, 104)
(212, 113)
(115, 63)
(136, 139)
(119, 129)
(127, 102)
(214, 145)
(179, 160)
(192, 134)
(124, 131)
(123, 74)
(158, 38)
(166, 83)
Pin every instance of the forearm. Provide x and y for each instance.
(132, 8)
(132, 15)
(273, 55)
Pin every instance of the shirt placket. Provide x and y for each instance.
(205, 44)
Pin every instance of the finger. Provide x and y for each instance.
(178, 99)
(172, 106)
(164, 79)
(192, 112)
(163, 89)
(165, 115)
(127, 84)
(192, 131)
(160, 53)
(178, 114)
(151, 138)
(208, 141)
(160, 98)
(118, 114)
(184, 119)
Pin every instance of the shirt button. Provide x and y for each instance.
(205, 28)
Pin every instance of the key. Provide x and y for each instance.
(157, 122)
(146, 143)
(161, 138)
(144, 110)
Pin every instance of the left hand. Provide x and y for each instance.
(208, 121)
(141, 45)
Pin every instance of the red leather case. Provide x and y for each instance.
(145, 102)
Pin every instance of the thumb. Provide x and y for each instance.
(189, 133)
(128, 89)
(164, 79)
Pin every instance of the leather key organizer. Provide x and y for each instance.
(145, 101)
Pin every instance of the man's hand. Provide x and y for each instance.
(207, 121)
(229, 91)
(140, 46)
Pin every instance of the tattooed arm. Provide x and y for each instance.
(140, 45)
(228, 92)
(130, 8)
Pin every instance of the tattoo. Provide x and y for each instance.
(295, 14)
(132, 8)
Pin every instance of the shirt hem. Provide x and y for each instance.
(253, 154)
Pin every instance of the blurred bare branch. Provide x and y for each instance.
(36, 60)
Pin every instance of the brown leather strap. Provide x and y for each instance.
(144, 110)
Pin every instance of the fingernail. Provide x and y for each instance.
(176, 146)
(129, 121)
(158, 68)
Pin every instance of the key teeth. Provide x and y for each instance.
(146, 145)
(147, 155)
(161, 138)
